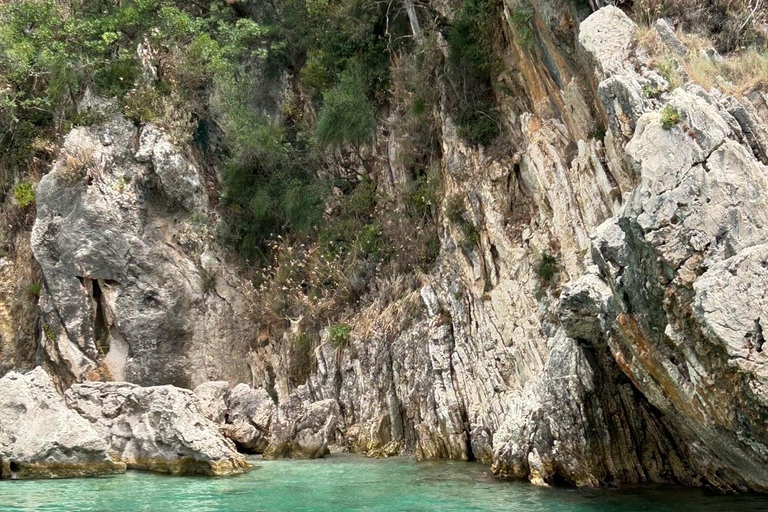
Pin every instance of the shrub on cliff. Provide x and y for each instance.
(347, 116)
(470, 67)
(24, 193)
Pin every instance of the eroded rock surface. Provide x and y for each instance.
(158, 428)
(134, 288)
(249, 418)
(41, 438)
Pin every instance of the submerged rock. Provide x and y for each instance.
(159, 428)
(41, 438)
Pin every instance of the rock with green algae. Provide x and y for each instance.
(41, 438)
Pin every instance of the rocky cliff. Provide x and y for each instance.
(603, 327)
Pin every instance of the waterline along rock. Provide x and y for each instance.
(553, 261)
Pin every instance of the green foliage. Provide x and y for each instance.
(270, 186)
(353, 224)
(205, 53)
(454, 212)
(668, 69)
(347, 116)
(51, 51)
(50, 334)
(598, 132)
(455, 209)
(470, 235)
(521, 18)
(24, 193)
(670, 117)
(547, 268)
(479, 123)
(34, 289)
(470, 65)
(370, 240)
(651, 91)
(339, 334)
(423, 194)
(143, 105)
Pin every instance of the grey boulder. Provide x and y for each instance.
(159, 428)
(41, 438)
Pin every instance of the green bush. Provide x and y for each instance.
(24, 193)
(34, 289)
(370, 240)
(347, 116)
(455, 209)
(668, 69)
(670, 117)
(423, 194)
(142, 105)
(521, 18)
(478, 123)
(470, 235)
(598, 132)
(547, 267)
(471, 63)
(339, 334)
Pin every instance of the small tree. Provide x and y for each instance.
(347, 115)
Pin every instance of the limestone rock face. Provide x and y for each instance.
(159, 428)
(609, 37)
(212, 397)
(249, 418)
(41, 438)
(685, 262)
(297, 427)
(133, 287)
(303, 430)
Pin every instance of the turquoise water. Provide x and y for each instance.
(345, 483)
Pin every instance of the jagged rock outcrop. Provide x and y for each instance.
(297, 427)
(249, 418)
(41, 438)
(157, 428)
(134, 288)
(212, 398)
(659, 300)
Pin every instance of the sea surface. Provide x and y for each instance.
(345, 483)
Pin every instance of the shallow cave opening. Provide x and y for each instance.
(100, 325)
(759, 337)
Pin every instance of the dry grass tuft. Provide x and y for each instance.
(736, 73)
(79, 164)
(731, 24)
